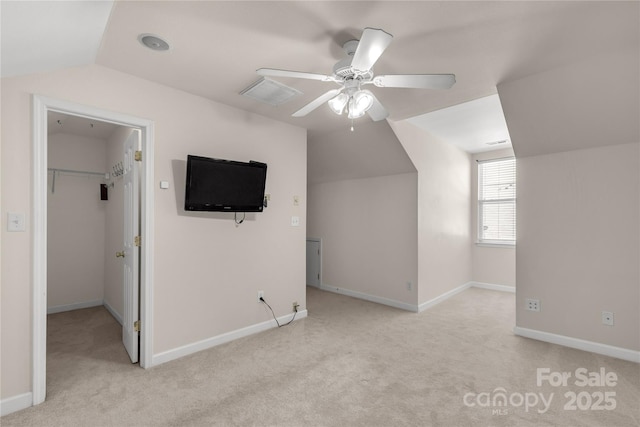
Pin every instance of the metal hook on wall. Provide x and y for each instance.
(118, 169)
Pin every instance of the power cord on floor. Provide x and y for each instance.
(295, 311)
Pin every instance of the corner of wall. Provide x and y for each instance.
(444, 197)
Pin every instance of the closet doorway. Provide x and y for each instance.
(88, 177)
(50, 178)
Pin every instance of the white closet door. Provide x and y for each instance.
(131, 250)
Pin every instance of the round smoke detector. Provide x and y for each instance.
(153, 42)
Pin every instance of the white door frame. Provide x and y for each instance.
(41, 105)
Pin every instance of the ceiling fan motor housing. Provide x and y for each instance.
(343, 68)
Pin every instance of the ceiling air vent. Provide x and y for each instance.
(270, 92)
(504, 141)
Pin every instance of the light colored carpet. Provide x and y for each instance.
(350, 363)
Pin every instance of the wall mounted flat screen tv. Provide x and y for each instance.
(217, 185)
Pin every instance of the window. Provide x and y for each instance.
(497, 201)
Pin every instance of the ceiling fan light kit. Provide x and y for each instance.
(356, 70)
(353, 99)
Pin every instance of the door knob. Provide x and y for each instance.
(120, 254)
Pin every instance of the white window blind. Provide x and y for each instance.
(497, 201)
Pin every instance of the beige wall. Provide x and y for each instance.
(444, 205)
(368, 229)
(206, 270)
(114, 242)
(76, 222)
(578, 243)
(576, 144)
(426, 226)
(494, 265)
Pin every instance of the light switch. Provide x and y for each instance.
(296, 200)
(164, 184)
(295, 221)
(15, 221)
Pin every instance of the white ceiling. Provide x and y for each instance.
(40, 36)
(74, 125)
(470, 126)
(216, 46)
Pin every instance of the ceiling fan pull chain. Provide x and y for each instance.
(351, 125)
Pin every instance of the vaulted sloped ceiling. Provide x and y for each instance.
(216, 46)
(592, 103)
(41, 36)
(372, 149)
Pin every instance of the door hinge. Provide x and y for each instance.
(136, 326)
(137, 241)
(318, 276)
(138, 156)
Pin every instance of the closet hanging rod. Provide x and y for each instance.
(102, 174)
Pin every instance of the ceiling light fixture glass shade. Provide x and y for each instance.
(356, 104)
(354, 112)
(338, 103)
(359, 103)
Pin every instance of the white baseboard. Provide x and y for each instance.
(411, 307)
(493, 287)
(593, 347)
(185, 350)
(15, 403)
(372, 298)
(74, 306)
(437, 300)
(113, 312)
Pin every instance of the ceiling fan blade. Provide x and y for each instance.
(372, 43)
(316, 103)
(418, 81)
(272, 72)
(377, 111)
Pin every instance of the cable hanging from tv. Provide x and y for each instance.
(295, 311)
(235, 217)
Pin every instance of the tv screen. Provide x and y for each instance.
(218, 185)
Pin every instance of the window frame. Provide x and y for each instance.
(480, 241)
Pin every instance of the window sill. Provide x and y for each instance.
(496, 245)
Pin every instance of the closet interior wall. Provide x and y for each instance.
(83, 231)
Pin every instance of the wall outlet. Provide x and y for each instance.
(532, 304)
(295, 306)
(260, 295)
(607, 318)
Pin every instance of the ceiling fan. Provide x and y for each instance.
(355, 71)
